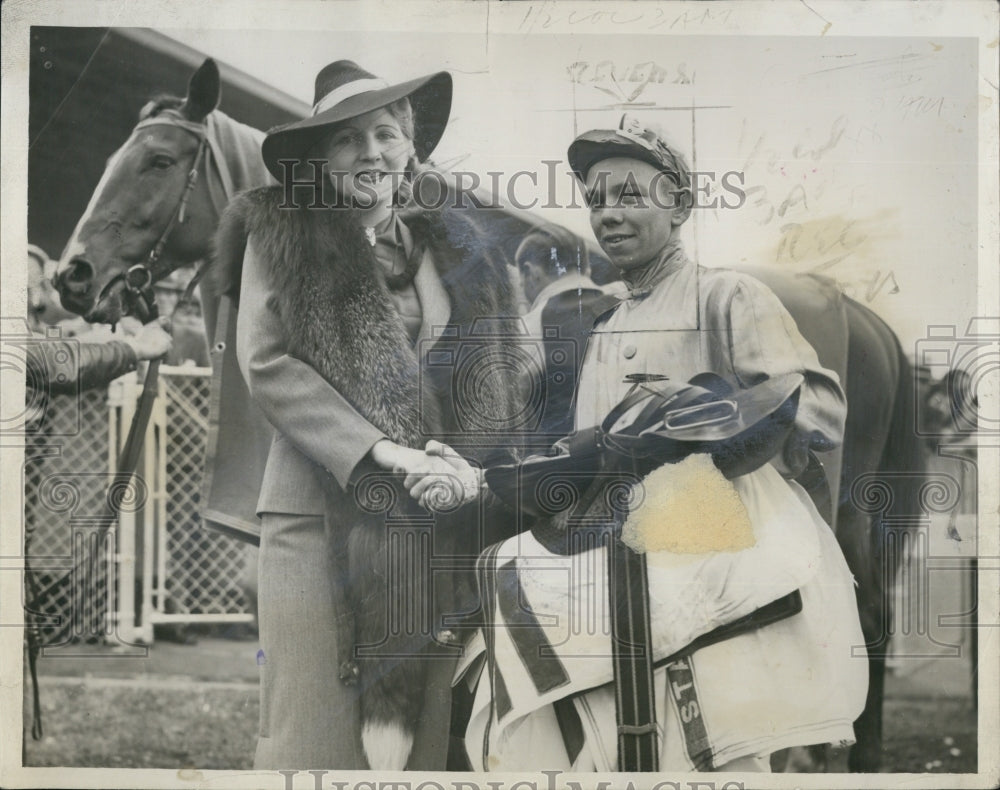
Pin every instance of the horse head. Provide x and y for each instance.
(151, 212)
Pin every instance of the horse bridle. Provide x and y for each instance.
(138, 279)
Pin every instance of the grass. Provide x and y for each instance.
(930, 735)
(102, 724)
(134, 727)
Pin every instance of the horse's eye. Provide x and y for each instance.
(162, 162)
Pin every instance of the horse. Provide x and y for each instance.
(156, 209)
(880, 443)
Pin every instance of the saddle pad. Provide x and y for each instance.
(795, 680)
(556, 638)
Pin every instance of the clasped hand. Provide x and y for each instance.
(437, 477)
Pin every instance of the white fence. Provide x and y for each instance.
(159, 565)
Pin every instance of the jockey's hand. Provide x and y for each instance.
(153, 340)
(462, 485)
(794, 458)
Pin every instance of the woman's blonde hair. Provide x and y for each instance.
(402, 111)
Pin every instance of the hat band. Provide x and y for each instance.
(346, 91)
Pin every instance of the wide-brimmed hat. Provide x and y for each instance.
(345, 90)
(632, 139)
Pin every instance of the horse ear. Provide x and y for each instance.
(204, 92)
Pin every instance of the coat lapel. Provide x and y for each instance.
(435, 306)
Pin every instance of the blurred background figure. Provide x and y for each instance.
(950, 406)
(190, 346)
(44, 308)
(555, 273)
(187, 326)
(554, 268)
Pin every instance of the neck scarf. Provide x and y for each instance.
(398, 268)
(642, 279)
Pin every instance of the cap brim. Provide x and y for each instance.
(592, 147)
(429, 96)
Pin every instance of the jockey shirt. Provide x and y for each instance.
(695, 320)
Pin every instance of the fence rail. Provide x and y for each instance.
(158, 564)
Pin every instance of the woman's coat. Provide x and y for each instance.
(327, 359)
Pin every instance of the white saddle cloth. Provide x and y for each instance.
(801, 680)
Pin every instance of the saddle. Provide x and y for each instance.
(658, 422)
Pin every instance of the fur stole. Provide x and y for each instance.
(338, 316)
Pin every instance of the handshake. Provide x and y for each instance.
(437, 477)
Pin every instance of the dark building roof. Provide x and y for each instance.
(86, 87)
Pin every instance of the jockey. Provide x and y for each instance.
(744, 634)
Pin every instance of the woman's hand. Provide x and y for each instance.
(462, 485)
(437, 477)
(405, 460)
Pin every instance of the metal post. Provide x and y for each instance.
(122, 395)
(148, 544)
(162, 527)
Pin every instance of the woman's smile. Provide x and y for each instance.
(370, 176)
(373, 184)
(367, 157)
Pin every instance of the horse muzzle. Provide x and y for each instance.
(121, 297)
(109, 309)
(126, 293)
(75, 285)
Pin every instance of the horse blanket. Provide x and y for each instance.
(544, 697)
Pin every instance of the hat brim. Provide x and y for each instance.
(429, 96)
(590, 148)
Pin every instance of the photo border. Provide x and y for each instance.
(817, 18)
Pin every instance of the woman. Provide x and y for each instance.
(353, 324)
